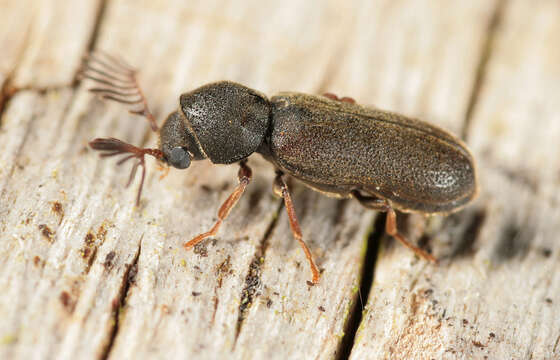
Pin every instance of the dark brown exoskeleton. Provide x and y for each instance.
(384, 160)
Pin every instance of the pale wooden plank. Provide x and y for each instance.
(82, 274)
(200, 300)
(496, 294)
(39, 50)
(15, 20)
(45, 247)
(352, 76)
(290, 319)
(323, 341)
(55, 40)
(184, 304)
(48, 249)
(415, 57)
(42, 45)
(43, 41)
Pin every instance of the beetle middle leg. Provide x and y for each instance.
(281, 189)
(391, 223)
(245, 174)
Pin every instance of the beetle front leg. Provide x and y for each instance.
(391, 223)
(280, 188)
(245, 174)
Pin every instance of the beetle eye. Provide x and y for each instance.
(179, 158)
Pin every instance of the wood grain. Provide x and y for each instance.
(87, 274)
(496, 294)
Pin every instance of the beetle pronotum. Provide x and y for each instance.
(384, 160)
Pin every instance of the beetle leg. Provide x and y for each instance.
(370, 202)
(342, 99)
(280, 188)
(391, 229)
(391, 223)
(245, 174)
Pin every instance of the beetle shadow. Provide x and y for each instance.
(514, 242)
(465, 234)
(256, 194)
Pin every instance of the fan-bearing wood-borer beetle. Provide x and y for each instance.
(384, 160)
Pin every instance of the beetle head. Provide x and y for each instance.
(177, 143)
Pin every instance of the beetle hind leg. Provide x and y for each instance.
(391, 229)
(280, 188)
(245, 174)
(391, 223)
(341, 99)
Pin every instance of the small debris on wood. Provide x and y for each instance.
(46, 232)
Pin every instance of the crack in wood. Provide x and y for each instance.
(89, 257)
(366, 283)
(223, 269)
(26, 135)
(41, 91)
(119, 303)
(253, 278)
(6, 93)
(482, 66)
(8, 89)
(99, 16)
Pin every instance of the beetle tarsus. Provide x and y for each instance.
(245, 174)
(391, 223)
(281, 188)
(116, 81)
(197, 239)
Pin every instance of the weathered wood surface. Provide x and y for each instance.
(86, 274)
(496, 293)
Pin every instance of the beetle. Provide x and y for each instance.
(384, 160)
